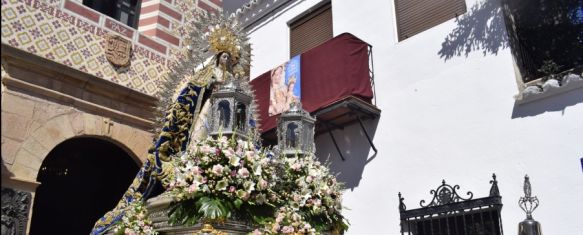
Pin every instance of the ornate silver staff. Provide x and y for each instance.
(528, 204)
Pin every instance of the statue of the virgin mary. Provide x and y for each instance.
(185, 117)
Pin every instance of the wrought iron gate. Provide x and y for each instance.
(450, 214)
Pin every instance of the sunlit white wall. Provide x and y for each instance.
(444, 116)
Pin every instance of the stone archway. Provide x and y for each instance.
(81, 179)
(33, 127)
(45, 135)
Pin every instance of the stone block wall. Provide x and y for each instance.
(32, 126)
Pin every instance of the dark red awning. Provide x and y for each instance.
(330, 72)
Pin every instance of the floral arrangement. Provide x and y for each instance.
(307, 187)
(219, 179)
(309, 198)
(135, 221)
(225, 178)
(287, 221)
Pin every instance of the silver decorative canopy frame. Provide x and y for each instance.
(231, 111)
(295, 132)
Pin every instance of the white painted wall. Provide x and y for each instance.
(453, 119)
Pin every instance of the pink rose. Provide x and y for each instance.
(249, 155)
(279, 218)
(287, 229)
(229, 153)
(130, 232)
(223, 141)
(275, 227)
(217, 169)
(296, 166)
(262, 184)
(231, 189)
(317, 202)
(297, 198)
(196, 170)
(243, 172)
(192, 188)
(207, 149)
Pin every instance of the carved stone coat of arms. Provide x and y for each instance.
(118, 50)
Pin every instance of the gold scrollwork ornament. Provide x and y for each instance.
(208, 229)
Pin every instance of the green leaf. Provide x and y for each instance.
(238, 203)
(212, 208)
(184, 212)
(263, 219)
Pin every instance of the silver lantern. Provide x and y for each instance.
(230, 111)
(295, 132)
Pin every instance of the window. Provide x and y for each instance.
(546, 37)
(311, 30)
(125, 11)
(449, 213)
(416, 16)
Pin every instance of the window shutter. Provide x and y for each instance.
(311, 30)
(415, 16)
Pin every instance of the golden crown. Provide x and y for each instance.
(222, 38)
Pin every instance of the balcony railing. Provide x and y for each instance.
(337, 86)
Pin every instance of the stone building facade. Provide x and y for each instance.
(58, 84)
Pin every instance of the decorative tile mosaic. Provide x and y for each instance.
(41, 28)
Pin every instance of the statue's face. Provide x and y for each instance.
(224, 59)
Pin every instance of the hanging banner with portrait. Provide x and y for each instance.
(285, 86)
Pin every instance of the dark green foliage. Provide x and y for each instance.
(184, 213)
(192, 211)
(549, 69)
(213, 208)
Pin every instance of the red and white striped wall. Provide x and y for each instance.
(158, 16)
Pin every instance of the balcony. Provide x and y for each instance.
(337, 86)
